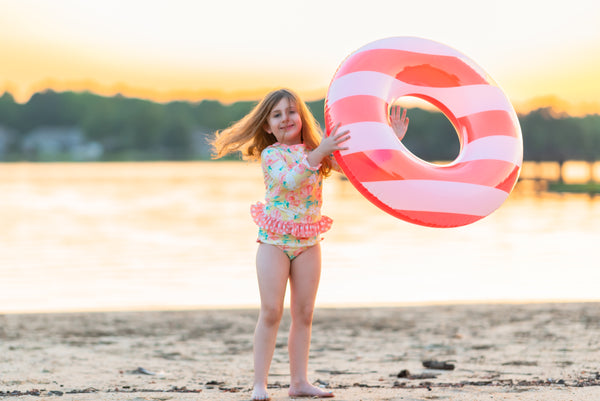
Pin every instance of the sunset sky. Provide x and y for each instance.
(539, 52)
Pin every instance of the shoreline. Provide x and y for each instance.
(516, 351)
(323, 306)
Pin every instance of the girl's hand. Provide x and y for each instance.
(328, 145)
(399, 121)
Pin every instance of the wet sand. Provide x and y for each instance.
(491, 352)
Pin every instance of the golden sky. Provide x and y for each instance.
(537, 51)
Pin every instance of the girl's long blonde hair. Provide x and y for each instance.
(249, 137)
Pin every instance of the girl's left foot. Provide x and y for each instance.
(308, 390)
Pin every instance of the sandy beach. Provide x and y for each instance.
(480, 352)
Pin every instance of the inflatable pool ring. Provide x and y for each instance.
(385, 171)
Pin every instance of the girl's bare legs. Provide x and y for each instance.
(304, 281)
(272, 270)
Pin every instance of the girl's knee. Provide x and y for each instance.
(271, 315)
(303, 315)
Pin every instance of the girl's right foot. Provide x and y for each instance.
(260, 394)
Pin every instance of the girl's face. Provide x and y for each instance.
(285, 123)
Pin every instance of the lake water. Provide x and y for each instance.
(124, 236)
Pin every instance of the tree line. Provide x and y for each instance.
(135, 129)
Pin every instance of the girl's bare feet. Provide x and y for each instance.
(260, 394)
(308, 390)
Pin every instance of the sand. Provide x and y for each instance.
(499, 352)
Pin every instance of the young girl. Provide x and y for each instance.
(283, 134)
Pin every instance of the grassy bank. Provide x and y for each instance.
(590, 188)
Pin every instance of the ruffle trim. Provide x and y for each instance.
(277, 226)
(307, 164)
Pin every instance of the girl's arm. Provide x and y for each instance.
(276, 166)
(328, 145)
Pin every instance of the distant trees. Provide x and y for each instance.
(549, 136)
(134, 129)
(127, 129)
(431, 136)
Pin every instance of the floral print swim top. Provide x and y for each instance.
(293, 193)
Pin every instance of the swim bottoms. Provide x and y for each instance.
(292, 246)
